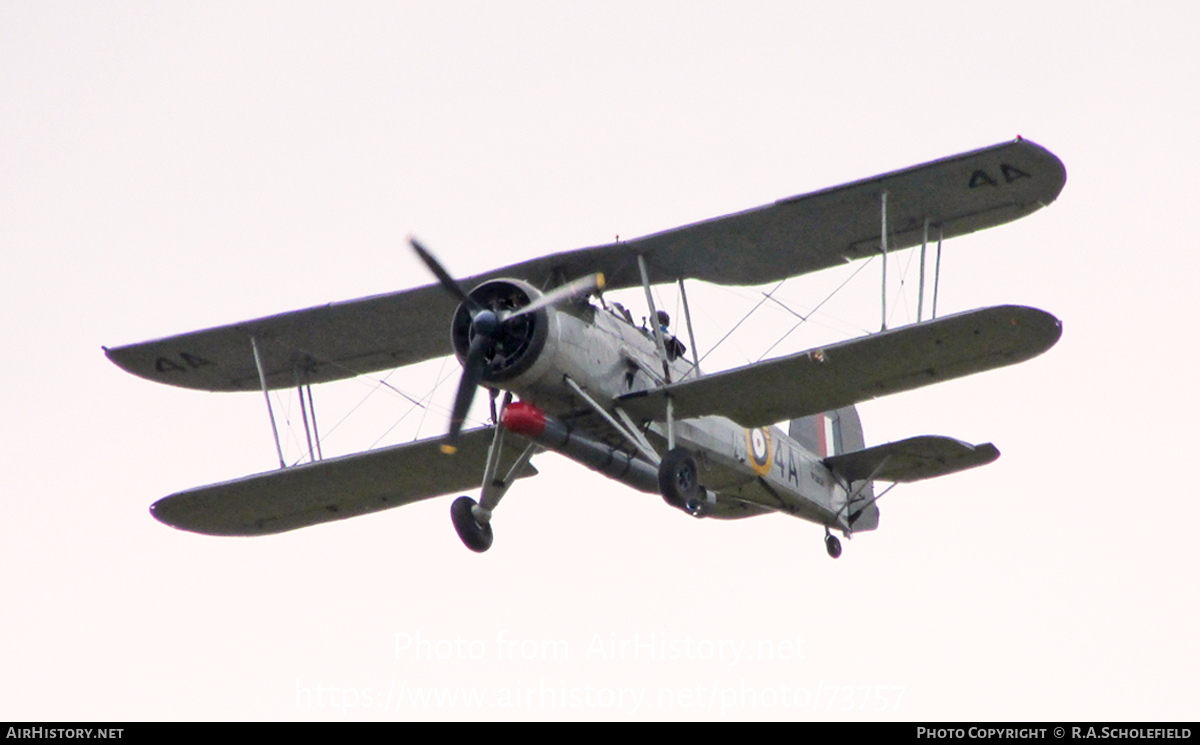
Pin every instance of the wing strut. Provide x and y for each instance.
(631, 433)
(307, 410)
(921, 287)
(883, 248)
(262, 378)
(654, 324)
(663, 346)
(937, 272)
(687, 315)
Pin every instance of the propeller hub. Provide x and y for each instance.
(509, 343)
(485, 323)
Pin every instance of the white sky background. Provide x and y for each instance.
(167, 167)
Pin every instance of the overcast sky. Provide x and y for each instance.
(167, 167)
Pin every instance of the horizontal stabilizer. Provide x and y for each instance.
(914, 459)
(333, 489)
(858, 370)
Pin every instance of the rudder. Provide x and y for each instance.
(835, 433)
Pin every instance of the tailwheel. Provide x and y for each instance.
(476, 535)
(678, 479)
(832, 545)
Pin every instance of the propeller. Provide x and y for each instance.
(488, 329)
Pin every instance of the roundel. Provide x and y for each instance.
(758, 441)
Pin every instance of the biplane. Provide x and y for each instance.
(571, 373)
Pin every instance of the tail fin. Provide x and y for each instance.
(832, 433)
(835, 433)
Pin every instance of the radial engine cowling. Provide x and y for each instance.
(522, 340)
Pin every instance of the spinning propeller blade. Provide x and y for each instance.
(442, 275)
(487, 327)
(472, 373)
(571, 290)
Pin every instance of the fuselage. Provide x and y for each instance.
(745, 472)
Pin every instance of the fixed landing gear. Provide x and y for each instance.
(678, 480)
(832, 545)
(476, 535)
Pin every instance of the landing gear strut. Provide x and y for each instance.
(832, 545)
(678, 480)
(476, 535)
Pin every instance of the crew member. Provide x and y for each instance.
(674, 347)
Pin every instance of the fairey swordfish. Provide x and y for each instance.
(579, 378)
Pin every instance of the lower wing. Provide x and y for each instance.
(857, 370)
(332, 489)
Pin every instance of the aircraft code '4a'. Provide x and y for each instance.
(192, 361)
(1009, 173)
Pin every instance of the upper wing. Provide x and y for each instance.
(793, 236)
(329, 342)
(857, 370)
(806, 233)
(333, 489)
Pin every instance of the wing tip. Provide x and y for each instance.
(1057, 180)
(989, 453)
(173, 512)
(1047, 327)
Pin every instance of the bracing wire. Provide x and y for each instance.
(378, 384)
(900, 292)
(429, 396)
(766, 297)
(438, 382)
(356, 375)
(814, 310)
(395, 424)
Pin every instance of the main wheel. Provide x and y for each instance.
(833, 546)
(476, 536)
(678, 479)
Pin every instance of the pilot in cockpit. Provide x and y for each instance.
(675, 348)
